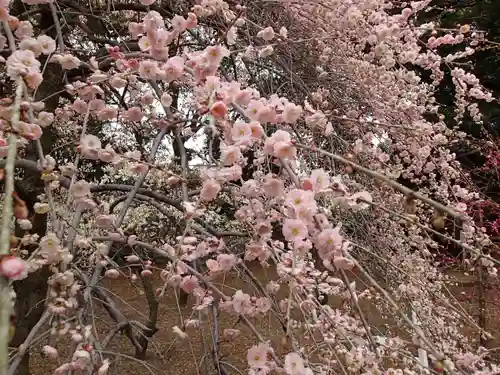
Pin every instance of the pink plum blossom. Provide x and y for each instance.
(12, 267)
(241, 132)
(294, 230)
(210, 190)
(257, 355)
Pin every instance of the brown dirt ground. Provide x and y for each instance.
(169, 355)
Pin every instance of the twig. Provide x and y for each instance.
(355, 301)
(60, 39)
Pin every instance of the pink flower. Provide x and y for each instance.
(257, 130)
(294, 364)
(79, 106)
(68, 61)
(50, 352)
(166, 99)
(174, 68)
(47, 44)
(191, 21)
(133, 114)
(233, 173)
(22, 62)
(298, 198)
(284, 150)
(320, 180)
(80, 189)
(329, 240)
(257, 355)
(31, 44)
(218, 109)
(12, 267)
(263, 228)
(153, 21)
(147, 98)
(215, 54)
(343, 263)
(160, 40)
(32, 132)
(267, 34)
(266, 52)
(33, 80)
(226, 261)
(135, 29)
(107, 113)
(90, 146)
(112, 273)
(241, 302)
(177, 23)
(294, 230)
(189, 283)
(108, 155)
(148, 69)
(243, 97)
(24, 30)
(256, 250)
(278, 136)
(210, 190)
(96, 105)
(302, 247)
(291, 113)
(212, 265)
(253, 108)
(241, 132)
(117, 82)
(230, 155)
(273, 187)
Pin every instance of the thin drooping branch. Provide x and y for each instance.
(112, 309)
(27, 342)
(5, 300)
(99, 266)
(153, 315)
(60, 39)
(471, 249)
(379, 176)
(203, 227)
(205, 280)
(142, 194)
(418, 331)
